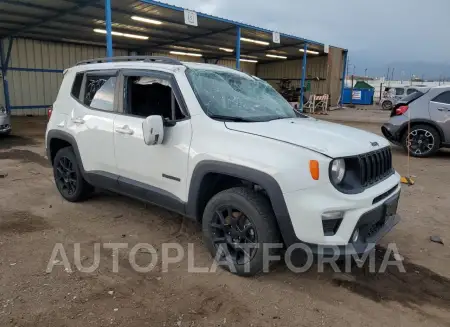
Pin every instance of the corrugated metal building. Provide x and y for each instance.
(53, 35)
(36, 72)
(323, 73)
(36, 69)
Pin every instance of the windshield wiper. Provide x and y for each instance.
(232, 118)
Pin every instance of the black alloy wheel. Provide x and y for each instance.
(230, 227)
(66, 176)
(237, 224)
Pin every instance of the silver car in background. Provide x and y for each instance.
(428, 111)
(394, 94)
(5, 121)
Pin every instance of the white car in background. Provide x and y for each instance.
(393, 94)
(5, 121)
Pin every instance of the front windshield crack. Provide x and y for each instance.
(235, 96)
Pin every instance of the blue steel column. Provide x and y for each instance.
(109, 49)
(4, 62)
(341, 101)
(238, 47)
(302, 86)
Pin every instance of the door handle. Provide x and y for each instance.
(124, 130)
(443, 109)
(78, 120)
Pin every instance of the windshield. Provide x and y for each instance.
(239, 97)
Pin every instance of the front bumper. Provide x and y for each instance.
(365, 211)
(374, 221)
(391, 133)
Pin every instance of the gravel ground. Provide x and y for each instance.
(33, 218)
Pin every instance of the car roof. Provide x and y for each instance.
(125, 64)
(151, 65)
(422, 89)
(442, 87)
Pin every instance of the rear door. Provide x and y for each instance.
(440, 112)
(92, 119)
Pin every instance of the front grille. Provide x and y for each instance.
(375, 166)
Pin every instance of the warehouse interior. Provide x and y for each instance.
(41, 39)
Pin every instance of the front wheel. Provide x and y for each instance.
(237, 224)
(387, 105)
(421, 141)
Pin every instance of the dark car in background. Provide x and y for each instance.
(428, 112)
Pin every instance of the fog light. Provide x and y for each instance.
(355, 236)
(331, 221)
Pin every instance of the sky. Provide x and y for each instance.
(376, 33)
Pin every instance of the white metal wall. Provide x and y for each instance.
(39, 88)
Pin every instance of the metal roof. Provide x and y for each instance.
(74, 21)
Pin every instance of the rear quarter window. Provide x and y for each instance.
(76, 87)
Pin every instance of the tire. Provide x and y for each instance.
(68, 179)
(421, 146)
(387, 105)
(253, 215)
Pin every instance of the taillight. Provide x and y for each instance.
(401, 110)
(49, 112)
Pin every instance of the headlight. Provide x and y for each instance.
(337, 171)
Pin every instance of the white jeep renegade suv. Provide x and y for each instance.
(224, 148)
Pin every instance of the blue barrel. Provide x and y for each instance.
(360, 96)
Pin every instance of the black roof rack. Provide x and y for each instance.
(160, 59)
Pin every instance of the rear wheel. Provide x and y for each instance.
(421, 141)
(69, 181)
(238, 222)
(387, 105)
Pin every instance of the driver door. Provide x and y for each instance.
(152, 172)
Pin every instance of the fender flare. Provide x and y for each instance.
(61, 135)
(249, 174)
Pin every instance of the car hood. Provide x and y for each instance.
(333, 140)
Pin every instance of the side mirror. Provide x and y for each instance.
(153, 130)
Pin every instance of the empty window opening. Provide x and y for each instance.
(147, 96)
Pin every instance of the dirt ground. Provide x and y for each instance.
(33, 218)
